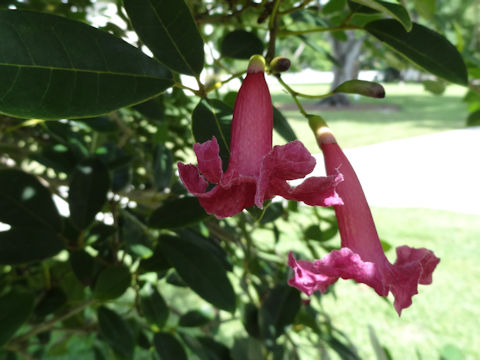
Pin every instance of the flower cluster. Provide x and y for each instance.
(257, 172)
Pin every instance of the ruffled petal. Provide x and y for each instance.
(191, 178)
(209, 161)
(229, 199)
(289, 162)
(413, 267)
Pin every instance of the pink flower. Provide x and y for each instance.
(256, 172)
(361, 256)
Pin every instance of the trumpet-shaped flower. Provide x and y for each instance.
(255, 172)
(361, 256)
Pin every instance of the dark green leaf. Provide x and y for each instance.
(154, 308)
(83, 266)
(100, 124)
(250, 320)
(20, 245)
(423, 46)
(162, 167)
(278, 310)
(282, 127)
(194, 318)
(474, 118)
(241, 44)
(168, 29)
(313, 232)
(200, 269)
(112, 282)
(25, 202)
(16, 309)
(168, 347)
(54, 68)
(398, 12)
(215, 349)
(272, 212)
(177, 213)
(116, 331)
(344, 351)
(153, 109)
(88, 192)
(334, 6)
(213, 118)
(133, 233)
(53, 299)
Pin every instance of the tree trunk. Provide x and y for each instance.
(346, 54)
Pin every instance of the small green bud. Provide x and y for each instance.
(279, 64)
(256, 64)
(361, 87)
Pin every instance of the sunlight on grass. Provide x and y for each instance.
(407, 110)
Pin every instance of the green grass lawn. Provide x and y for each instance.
(406, 111)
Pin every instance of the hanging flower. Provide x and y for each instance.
(361, 256)
(255, 172)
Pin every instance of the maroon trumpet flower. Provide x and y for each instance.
(361, 256)
(255, 172)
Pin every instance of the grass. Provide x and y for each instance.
(406, 111)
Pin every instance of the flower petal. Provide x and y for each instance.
(191, 178)
(209, 161)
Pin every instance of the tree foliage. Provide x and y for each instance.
(132, 265)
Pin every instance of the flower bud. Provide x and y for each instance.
(256, 64)
(361, 87)
(279, 64)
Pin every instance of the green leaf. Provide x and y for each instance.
(334, 6)
(168, 347)
(425, 8)
(112, 282)
(278, 310)
(154, 308)
(214, 349)
(241, 44)
(88, 191)
(201, 269)
(162, 167)
(424, 47)
(83, 266)
(247, 348)
(116, 332)
(474, 118)
(213, 118)
(194, 318)
(53, 68)
(20, 245)
(24, 202)
(282, 127)
(177, 213)
(53, 299)
(168, 29)
(398, 12)
(313, 232)
(436, 87)
(16, 309)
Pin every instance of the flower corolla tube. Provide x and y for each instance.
(256, 172)
(361, 256)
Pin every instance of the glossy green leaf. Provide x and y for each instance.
(474, 118)
(168, 29)
(398, 12)
(213, 118)
(177, 213)
(282, 127)
(112, 282)
(168, 347)
(162, 167)
(278, 310)
(83, 266)
(241, 44)
(52, 68)
(16, 309)
(202, 270)
(194, 318)
(88, 192)
(116, 332)
(24, 202)
(424, 47)
(20, 245)
(154, 308)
